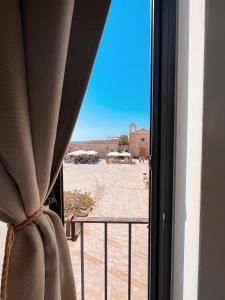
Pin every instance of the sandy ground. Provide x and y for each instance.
(119, 191)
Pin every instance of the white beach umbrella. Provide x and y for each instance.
(92, 152)
(77, 153)
(71, 153)
(125, 154)
(113, 154)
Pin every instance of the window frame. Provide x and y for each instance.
(56, 197)
(163, 67)
(163, 62)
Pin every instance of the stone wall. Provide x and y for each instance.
(101, 146)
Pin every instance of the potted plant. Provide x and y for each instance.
(77, 204)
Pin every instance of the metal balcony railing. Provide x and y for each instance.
(71, 234)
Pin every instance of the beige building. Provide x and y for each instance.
(101, 146)
(139, 141)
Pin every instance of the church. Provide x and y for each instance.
(139, 141)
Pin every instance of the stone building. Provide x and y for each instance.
(101, 146)
(139, 141)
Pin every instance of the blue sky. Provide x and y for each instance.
(118, 90)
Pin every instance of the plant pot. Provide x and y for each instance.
(76, 228)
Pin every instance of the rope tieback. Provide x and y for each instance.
(12, 229)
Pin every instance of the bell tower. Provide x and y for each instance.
(133, 127)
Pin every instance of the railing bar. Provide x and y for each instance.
(110, 220)
(129, 261)
(82, 259)
(103, 222)
(106, 260)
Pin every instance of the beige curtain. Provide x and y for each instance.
(47, 49)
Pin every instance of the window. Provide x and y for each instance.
(162, 160)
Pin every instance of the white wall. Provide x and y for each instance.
(190, 74)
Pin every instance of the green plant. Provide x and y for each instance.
(123, 140)
(78, 203)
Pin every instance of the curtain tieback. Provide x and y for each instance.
(12, 229)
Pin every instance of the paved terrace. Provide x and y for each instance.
(119, 192)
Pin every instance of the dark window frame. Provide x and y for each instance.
(163, 56)
(56, 197)
(163, 65)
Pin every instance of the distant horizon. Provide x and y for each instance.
(105, 138)
(118, 92)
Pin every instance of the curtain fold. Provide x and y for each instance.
(47, 49)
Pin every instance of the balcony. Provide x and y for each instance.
(109, 256)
